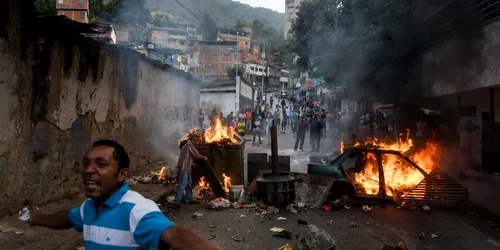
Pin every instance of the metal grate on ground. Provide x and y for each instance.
(437, 190)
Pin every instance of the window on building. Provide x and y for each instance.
(61, 1)
(202, 53)
(171, 41)
(63, 13)
(215, 53)
(260, 70)
(183, 43)
(190, 55)
(227, 66)
(227, 54)
(80, 1)
(235, 55)
(252, 68)
(208, 66)
(82, 14)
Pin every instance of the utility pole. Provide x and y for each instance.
(238, 86)
(263, 72)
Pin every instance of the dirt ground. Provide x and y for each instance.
(15, 235)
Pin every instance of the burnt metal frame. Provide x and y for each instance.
(377, 151)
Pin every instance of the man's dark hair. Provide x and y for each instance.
(119, 155)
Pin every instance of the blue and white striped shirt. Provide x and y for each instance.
(126, 221)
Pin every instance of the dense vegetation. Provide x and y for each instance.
(224, 12)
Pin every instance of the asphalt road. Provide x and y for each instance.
(454, 230)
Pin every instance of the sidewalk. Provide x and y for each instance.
(484, 195)
(15, 235)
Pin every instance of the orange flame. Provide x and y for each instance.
(400, 176)
(217, 133)
(203, 186)
(226, 183)
(159, 176)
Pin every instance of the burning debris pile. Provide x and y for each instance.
(399, 179)
(166, 175)
(218, 135)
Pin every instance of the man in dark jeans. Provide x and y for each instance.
(316, 127)
(301, 127)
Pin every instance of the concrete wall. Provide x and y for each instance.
(57, 97)
(463, 64)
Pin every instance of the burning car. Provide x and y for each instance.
(383, 172)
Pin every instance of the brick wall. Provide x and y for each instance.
(57, 97)
(77, 10)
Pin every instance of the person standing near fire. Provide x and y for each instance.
(301, 126)
(257, 129)
(113, 216)
(248, 117)
(241, 128)
(186, 161)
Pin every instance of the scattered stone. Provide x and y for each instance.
(198, 215)
(131, 182)
(145, 179)
(79, 248)
(353, 225)
(302, 222)
(211, 237)
(293, 211)
(281, 218)
(421, 236)
(433, 236)
(316, 238)
(238, 239)
(18, 232)
(242, 216)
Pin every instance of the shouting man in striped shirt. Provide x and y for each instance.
(114, 217)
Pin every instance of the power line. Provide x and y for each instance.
(186, 8)
(173, 7)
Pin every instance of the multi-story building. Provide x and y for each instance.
(77, 10)
(291, 9)
(167, 37)
(243, 37)
(209, 60)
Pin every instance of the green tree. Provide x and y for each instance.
(364, 46)
(231, 72)
(208, 28)
(96, 7)
(46, 7)
(131, 12)
(160, 19)
(243, 24)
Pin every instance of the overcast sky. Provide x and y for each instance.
(277, 5)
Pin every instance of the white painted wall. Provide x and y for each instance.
(217, 100)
